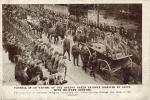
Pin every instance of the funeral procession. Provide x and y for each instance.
(69, 44)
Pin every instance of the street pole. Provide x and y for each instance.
(97, 15)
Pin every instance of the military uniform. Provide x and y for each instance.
(50, 67)
(21, 73)
(66, 47)
(93, 64)
(84, 57)
(48, 60)
(75, 53)
(55, 66)
(92, 34)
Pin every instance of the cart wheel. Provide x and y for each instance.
(103, 66)
(104, 70)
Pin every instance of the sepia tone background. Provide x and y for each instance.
(140, 92)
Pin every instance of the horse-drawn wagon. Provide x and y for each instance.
(110, 66)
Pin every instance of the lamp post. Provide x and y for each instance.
(96, 6)
(97, 16)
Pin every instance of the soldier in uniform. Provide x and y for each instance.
(75, 38)
(73, 29)
(30, 69)
(126, 74)
(91, 35)
(84, 57)
(75, 53)
(66, 46)
(37, 75)
(50, 68)
(93, 63)
(97, 34)
(23, 75)
(21, 72)
(34, 79)
(48, 60)
(88, 33)
(57, 59)
(101, 27)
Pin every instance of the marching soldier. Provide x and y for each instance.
(37, 75)
(50, 68)
(48, 60)
(21, 72)
(57, 59)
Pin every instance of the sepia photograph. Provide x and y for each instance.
(72, 44)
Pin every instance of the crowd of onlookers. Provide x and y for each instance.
(30, 54)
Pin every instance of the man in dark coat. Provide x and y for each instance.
(37, 74)
(75, 38)
(93, 64)
(92, 34)
(20, 73)
(51, 63)
(66, 46)
(126, 74)
(84, 57)
(49, 58)
(75, 53)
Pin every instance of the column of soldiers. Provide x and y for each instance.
(30, 63)
(28, 69)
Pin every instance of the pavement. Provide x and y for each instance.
(8, 71)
